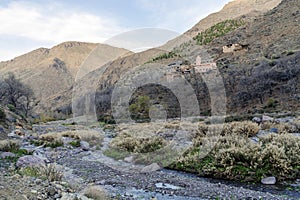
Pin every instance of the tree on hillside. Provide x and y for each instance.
(16, 94)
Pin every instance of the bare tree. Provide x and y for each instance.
(16, 93)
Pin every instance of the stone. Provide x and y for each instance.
(51, 191)
(128, 159)
(13, 135)
(262, 133)
(274, 130)
(256, 119)
(296, 134)
(151, 168)
(2, 129)
(7, 155)
(266, 118)
(269, 180)
(34, 191)
(254, 139)
(285, 120)
(19, 132)
(85, 146)
(29, 160)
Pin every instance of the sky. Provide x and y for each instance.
(30, 24)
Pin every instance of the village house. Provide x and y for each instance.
(203, 67)
(234, 47)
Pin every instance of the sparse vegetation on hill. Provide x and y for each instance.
(218, 30)
(163, 56)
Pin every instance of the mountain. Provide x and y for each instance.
(53, 71)
(256, 78)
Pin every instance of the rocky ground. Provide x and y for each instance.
(84, 166)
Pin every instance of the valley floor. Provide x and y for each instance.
(122, 180)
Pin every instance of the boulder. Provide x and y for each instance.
(262, 133)
(19, 132)
(2, 129)
(256, 119)
(254, 139)
(269, 180)
(128, 159)
(274, 130)
(266, 118)
(85, 146)
(29, 161)
(285, 120)
(151, 168)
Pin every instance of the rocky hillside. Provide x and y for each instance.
(267, 73)
(261, 77)
(53, 71)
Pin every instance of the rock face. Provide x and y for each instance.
(29, 161)
(269, 180)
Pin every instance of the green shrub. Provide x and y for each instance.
(167, 55)
(140, 109)
(11, 107)
(2, 115)
(271, 103)
(48, 172)
(75, 143)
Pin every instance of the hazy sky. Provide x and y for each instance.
(30, 24)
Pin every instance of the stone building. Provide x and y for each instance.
(203, 67)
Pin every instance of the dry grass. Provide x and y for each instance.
(48, 172)
(137, 144)
(9, 145)
(92, 137)
(96, 193)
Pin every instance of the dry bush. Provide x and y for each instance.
(235, 157)
(282, 127)
(92, 137)
(246, 128)
(296, 123)
(282, 151)
(175, 125)
(127, 142)
(9, 145)
(96, 193)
